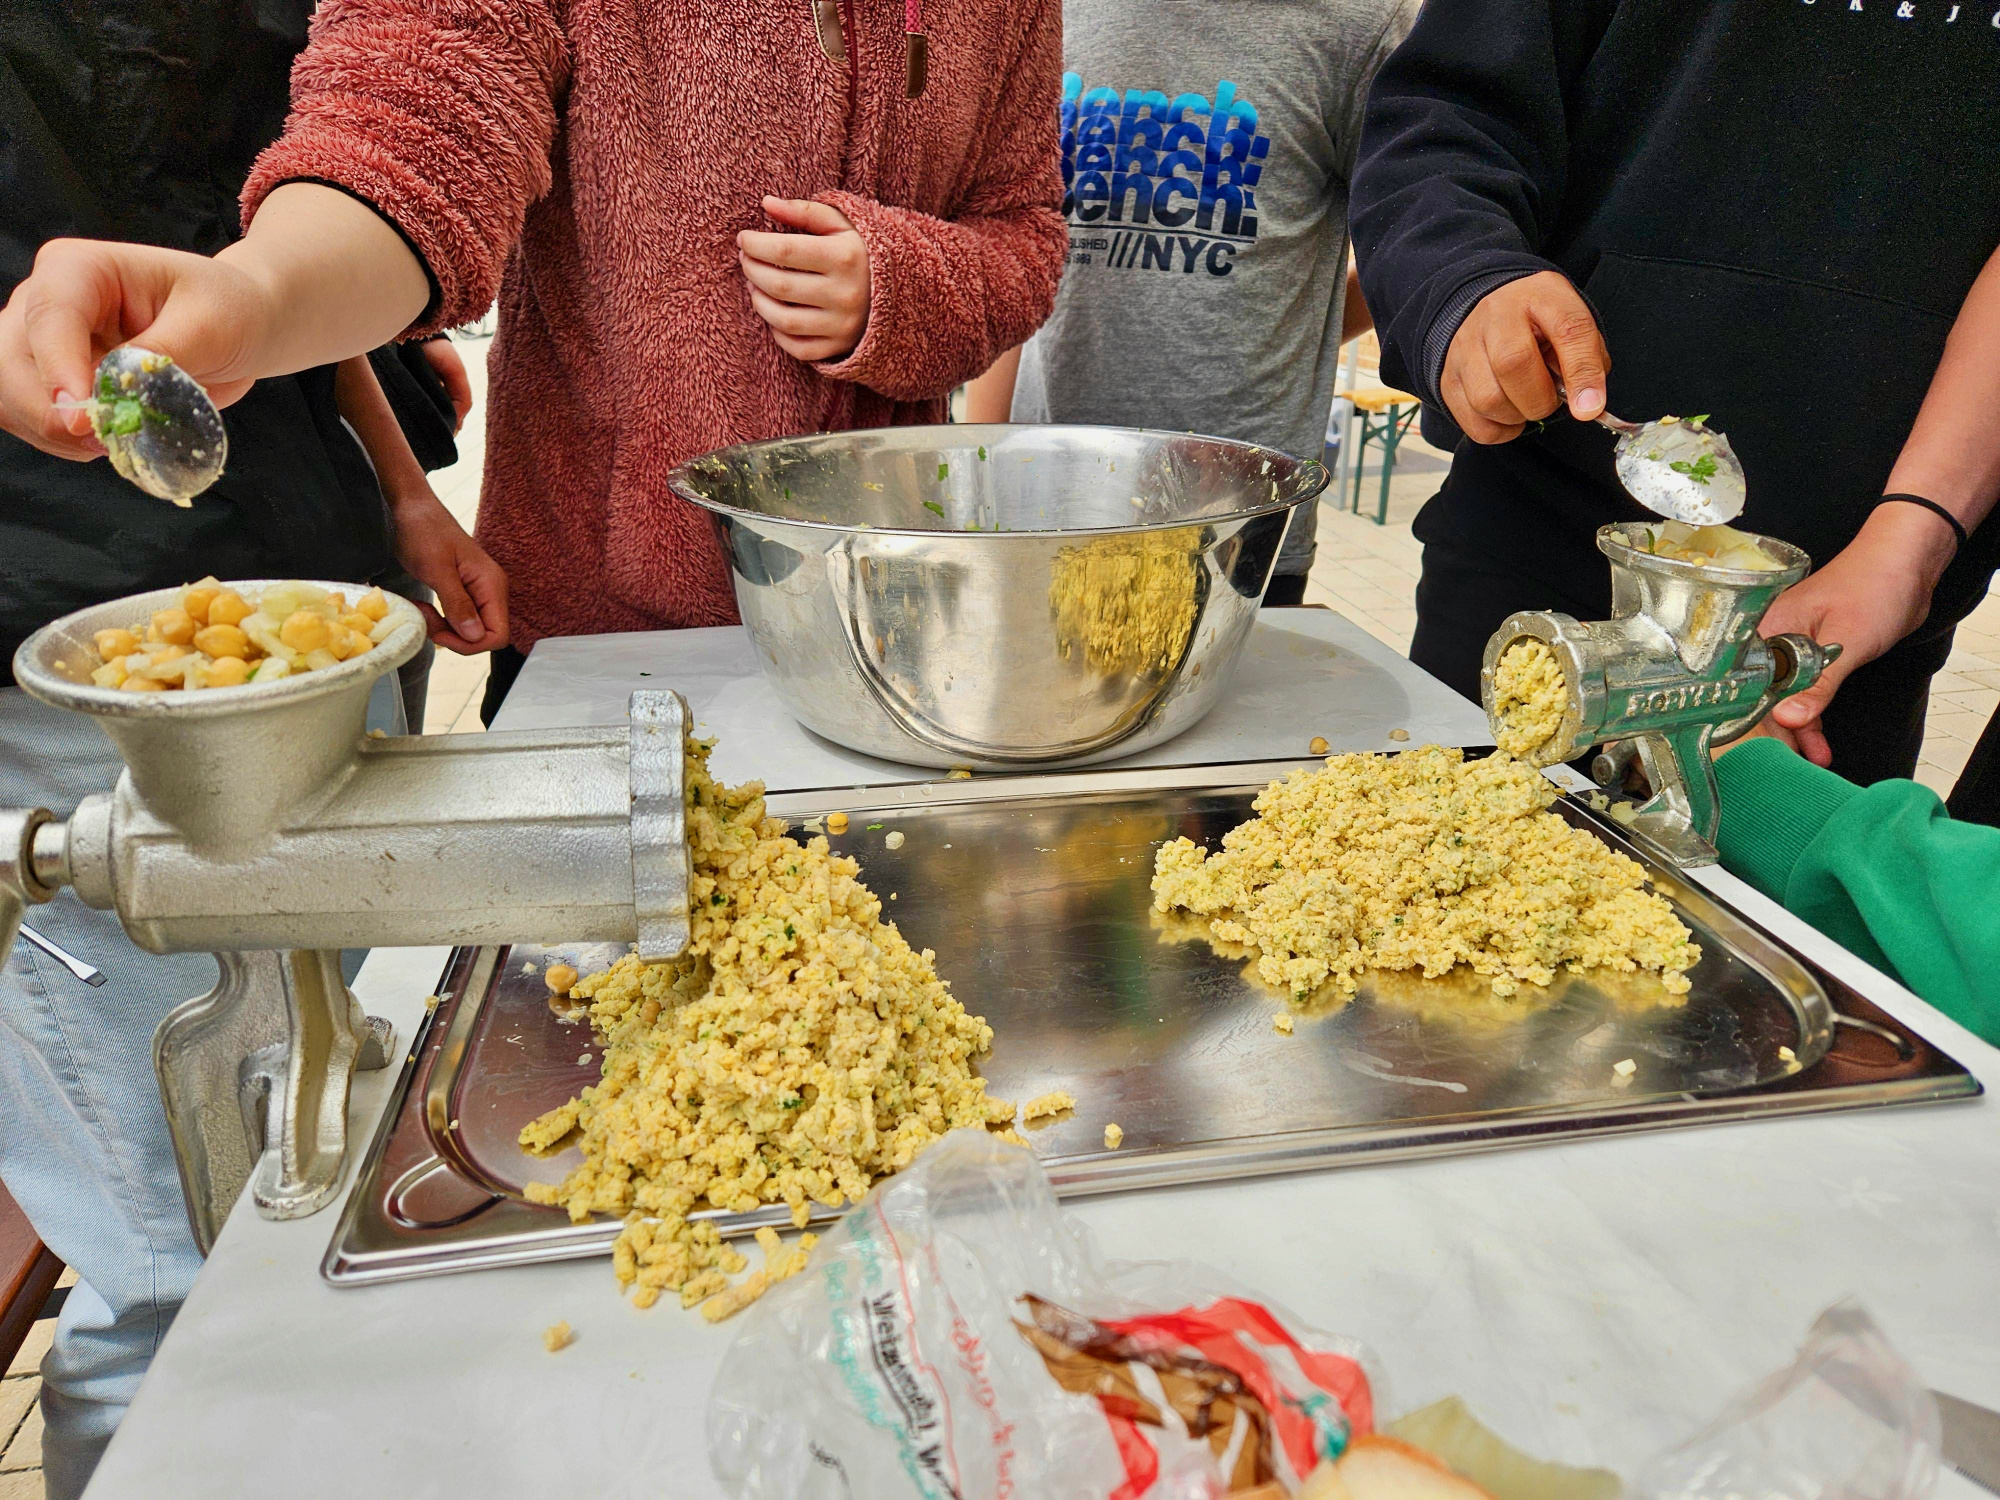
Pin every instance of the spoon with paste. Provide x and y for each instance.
(157, 425)
(1680, 468)
(1677, 467)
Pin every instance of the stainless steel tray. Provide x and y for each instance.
(1034, 892)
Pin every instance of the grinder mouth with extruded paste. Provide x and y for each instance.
(1529, 698)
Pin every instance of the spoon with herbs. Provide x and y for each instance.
(1680, 468)
(1677, 467)
(157, 425)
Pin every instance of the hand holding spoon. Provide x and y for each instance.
(157, 424)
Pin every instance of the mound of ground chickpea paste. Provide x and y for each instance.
(1528, 699)
(798, 1050)
(1128, 601)
(1422, 861)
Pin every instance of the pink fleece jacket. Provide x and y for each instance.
(593, 160)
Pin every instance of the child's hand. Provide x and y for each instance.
(1767, 729)
(471, 588)
(810, 285)
(449, 367)
(1868, 596)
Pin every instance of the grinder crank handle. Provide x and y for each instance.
(1802, 661)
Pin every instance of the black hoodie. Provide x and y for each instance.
(1776, 208)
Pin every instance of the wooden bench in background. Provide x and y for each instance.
(1386, 416)
(28, 1274)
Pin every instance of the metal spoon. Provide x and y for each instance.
(1680, 468)
(1677, 467)
(157, 424)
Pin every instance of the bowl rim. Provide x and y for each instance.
(60, 691)
(1316, 474)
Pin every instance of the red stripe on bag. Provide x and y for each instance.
(1136, 1452)
(1214, 1330)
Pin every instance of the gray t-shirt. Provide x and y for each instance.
(1207, 146)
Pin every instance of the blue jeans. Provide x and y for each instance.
(83, 1139)
(84, 1147)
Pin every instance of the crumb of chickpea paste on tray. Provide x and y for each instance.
(1529, 696)
(1422, 861)
(797, 1051)
(1047, 1106)
(557, 1337)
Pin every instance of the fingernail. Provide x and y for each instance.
(467, 628)
(1588, 402)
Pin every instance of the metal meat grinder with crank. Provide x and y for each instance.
(261, 823)
(1678, 669)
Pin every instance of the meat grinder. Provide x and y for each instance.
(262, 824)
(1677, 670)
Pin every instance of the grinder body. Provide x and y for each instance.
(262, 824)
(1679, 669)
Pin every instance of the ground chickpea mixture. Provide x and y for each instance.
(797, 1051)
(1128, 601)
(1047, 1106)
(1422, 861)
(1528, 699)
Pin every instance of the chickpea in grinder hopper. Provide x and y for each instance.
(217, 638)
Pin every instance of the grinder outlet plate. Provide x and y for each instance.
(1035, 894)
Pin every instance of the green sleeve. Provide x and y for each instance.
(1883, 870)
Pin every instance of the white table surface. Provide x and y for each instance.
(1305, 672)
(1592, 1301)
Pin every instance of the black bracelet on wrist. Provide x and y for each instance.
(1957, 526)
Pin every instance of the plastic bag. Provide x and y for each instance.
(1848, 1421)
(957, 1336)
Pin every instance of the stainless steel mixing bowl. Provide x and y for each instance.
(996, 596)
